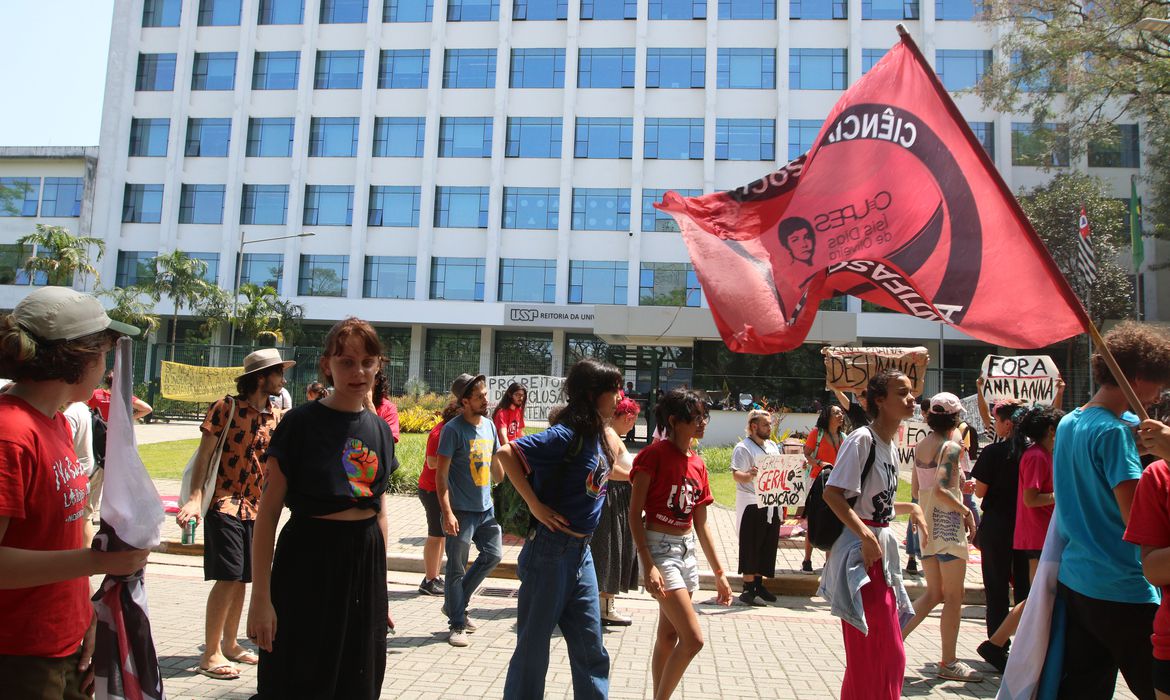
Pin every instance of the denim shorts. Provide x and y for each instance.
(674, 555)
(942, 558)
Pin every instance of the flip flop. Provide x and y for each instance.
(225, 672)
(247, 656)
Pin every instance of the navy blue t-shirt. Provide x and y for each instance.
(576, 488)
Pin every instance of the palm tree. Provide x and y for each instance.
(129, 308)
(180, 278)
(264, 311)
(59, 254)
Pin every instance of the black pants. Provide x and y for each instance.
(1002, 566)
(1101, 638)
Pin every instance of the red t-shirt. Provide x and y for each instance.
(388, 412)
(426, 478)
(678, 483)
(43, 490)
(1149, 526)
(1032, 523)
(510, 422)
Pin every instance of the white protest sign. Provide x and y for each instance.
(782, 481)
(910, 433)
(544, 392)
(1028, 378)
(850, 369)
(971, 413)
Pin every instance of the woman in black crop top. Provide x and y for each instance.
(318, 610)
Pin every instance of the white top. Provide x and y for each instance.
(81, 423)
(744, 457)
(283, 400)
(876, 502)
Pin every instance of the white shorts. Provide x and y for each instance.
(674, 555)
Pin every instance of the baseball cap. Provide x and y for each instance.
(61, 314)
(945, 402)
(463, 384)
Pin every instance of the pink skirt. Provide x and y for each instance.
(875, 663)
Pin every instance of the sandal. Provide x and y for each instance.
(225, 672)
(246, 656)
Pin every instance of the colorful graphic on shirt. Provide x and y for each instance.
(361, 467)
(595, 483)
(480, 460)
(683, 498)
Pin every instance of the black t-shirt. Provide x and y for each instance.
(333, 460)
(858, 418)
(996, 468)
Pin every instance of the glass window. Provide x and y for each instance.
(264, 205)
(674, 139)
(469, 68)
(747, 69)
(1040, 145)
(802, 133)
(1120, 151)
(201, 204)
(668, 284)
(214, 71)
(528, 280)
(522, 353)
(747, 9)
(142, 204)
(457, 279)
(461, 207)
(473, 10)
(407, 10)
(12, 259)
(538, 68)
(270, 137)
(135, 267)
(344, 11)
(22, 195)
(889, 9)
(62, 197)
(333, 137)
(465, 137)
(745, 139)
(148, 137)
(533, 137)
(604, 137)
(601, 209)
(219, 13)
(161, 13)
(985, 132)
(276, 70)
(606, 68)
(963, 10)
(208, 137)
(540, 9)
(328, 205)
(282, 11)
(263, 269)
(211, 261)
(609, 9)
(398, 137)
(404, 69)
(675, 68)
(597, 282)
(339, 70)
(531, 208)
(323, 275)
(678, 9)
(156, 72)
(817, 69)
(960, 69)
(818, 9)
(448, 354)
(869, 58)
(388, 277)
(396, 206)
(1034, 75)
(655, 219)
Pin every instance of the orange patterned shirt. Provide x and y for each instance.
(241, 467)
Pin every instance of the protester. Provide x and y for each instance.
(282, 399)
(569, 467)
(54, 346)
(432, 583)
(508, 414)
(378, 401)
(464, 473)
(81, 419)
(856, 408)
(820, 449)
(316, 390)
(670, 487)
(758, 528)
(100, 400)
(1109, 605)
(318, 610)
(249, 419)
(614, 556)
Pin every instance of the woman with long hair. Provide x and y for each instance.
(508, 414)
(433, 583)
(820, 449)
(562, 475)
(613, 550)
(379, 399)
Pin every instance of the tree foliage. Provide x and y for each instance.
(264, 311)
(59, 255)
(180, 277)
(129, 308)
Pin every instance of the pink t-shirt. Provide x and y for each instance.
(1032, 523)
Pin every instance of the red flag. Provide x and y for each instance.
(896, 203)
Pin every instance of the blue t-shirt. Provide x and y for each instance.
(575, 489)
(1095, 451)
(470, 447)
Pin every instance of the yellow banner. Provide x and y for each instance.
(180, 382)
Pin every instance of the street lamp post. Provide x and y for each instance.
(240, 272)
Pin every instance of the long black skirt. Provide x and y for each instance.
(758, 539)
(329, 592)
(614, 555)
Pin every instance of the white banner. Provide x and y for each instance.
(544, 392)
(910, 433)
(1028, 378)
(782, 481)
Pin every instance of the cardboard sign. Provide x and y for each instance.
(544, 392)
(910, 433)
(782, 481)
(1028, 378)
(849, 369)
(181, 382)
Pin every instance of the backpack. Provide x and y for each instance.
(824, 527)
(98, 431)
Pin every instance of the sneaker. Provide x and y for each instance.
(959, 671)
(458, 638)
(763, 592)
(748, 597)
(468, 625)
(433, 586)
(806, 567)
(993, 654)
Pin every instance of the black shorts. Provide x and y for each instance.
(227, 548)
(430, 501)
(1162, 676)
(1030, 553)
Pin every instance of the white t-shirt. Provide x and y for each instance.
(876, 502)
(283, 400)
(81, 423)
(744, 457)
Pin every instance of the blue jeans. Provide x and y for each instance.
(484, 531)
(913, 546)
(558, 587)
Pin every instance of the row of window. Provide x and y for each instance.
(36, 196)
(167, 13)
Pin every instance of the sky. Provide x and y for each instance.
(54, 76)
